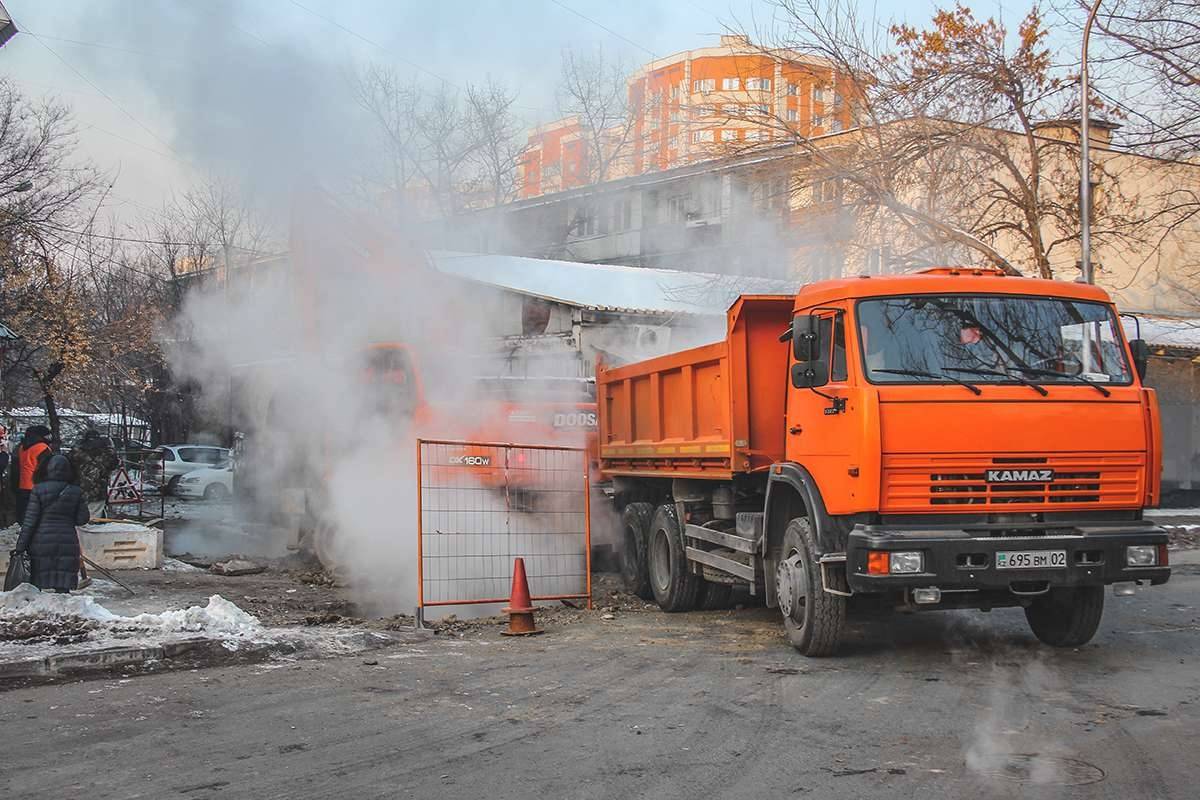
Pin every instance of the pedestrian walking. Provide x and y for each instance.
(94, 460)
(32, 452)
(48, 532)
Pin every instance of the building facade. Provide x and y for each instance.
(690, 107)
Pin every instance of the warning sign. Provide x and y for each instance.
(122, 490)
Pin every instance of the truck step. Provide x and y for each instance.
(744, 571)
(732, 541)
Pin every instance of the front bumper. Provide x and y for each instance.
(189, 490)
(965, 558)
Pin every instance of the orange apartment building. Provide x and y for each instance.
(694, 106)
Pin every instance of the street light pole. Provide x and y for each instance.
(1085, 183)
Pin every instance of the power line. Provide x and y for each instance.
(134, 239)
(104, 94)
(603, 27)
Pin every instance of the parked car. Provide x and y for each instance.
(173, 461)
(210, 483)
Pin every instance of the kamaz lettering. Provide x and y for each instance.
(1020, 475)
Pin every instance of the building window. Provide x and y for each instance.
(622, 215)
(674, 115)
(704, 85)
(702, 136)
(818, 94)
(762, 110)
(828, 191)
(731, 84)
(729, 135)
(677, 208)
(792, 89)
(792, 115)
(674, 94)
(754, 136)
(818, 121)
(835, 124)
(758, 84)
(731, 110)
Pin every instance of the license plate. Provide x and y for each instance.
(1031, 559)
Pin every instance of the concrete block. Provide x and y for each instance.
(122, 545)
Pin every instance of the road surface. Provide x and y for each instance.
(649, 705)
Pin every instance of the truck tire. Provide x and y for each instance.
(812, 617)
(635, 529)
(1067, 617)
(714, 596)
(675, 587)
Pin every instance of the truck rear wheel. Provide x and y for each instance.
(635, 530)
(1067, 617)
(675, 587)
(812, 617)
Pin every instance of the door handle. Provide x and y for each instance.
(795, 430)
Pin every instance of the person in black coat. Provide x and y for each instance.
(56, 507)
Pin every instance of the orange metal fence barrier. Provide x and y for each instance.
(482, 504)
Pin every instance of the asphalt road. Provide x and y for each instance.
(948, 705)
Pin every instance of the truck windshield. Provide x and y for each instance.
(990, 339)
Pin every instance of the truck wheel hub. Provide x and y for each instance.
(791, 584)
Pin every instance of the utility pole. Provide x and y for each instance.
(1085, 184)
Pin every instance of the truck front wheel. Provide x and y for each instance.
(675, 587)
(1067, 617)
(812, 617)
(635, 529)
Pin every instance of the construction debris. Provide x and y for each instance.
(237, 566)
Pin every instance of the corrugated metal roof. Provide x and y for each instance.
(1181, 333)
(609, 287)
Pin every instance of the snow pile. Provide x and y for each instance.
(219, 618)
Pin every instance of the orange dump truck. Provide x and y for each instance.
(951, 439)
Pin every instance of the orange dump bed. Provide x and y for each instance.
(708, 412)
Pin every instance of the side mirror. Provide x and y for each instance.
(1141, 356)
(810, 374)
(806, 336)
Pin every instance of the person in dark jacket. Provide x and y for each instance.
(24, 470)
(94, 461)
(48, 535)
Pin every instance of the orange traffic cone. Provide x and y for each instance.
(520, 607)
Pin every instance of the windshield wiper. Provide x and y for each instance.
(998, 373)
(917, 373)
(1076, 378)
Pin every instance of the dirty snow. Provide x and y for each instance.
(219, 618)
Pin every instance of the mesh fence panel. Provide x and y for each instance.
(483, 504)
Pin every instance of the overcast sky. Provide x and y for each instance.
(164, 90)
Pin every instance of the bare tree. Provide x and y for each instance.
(441, 147)
(497, 132)
(1148, 54)
(593, 90)
(951, 155)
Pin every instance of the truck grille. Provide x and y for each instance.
(953, 482)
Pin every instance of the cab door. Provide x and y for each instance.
(831, 424)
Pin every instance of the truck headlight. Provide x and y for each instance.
(1141, 555)
(905, 562)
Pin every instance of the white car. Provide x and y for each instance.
(172, 461)
(209, 483)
